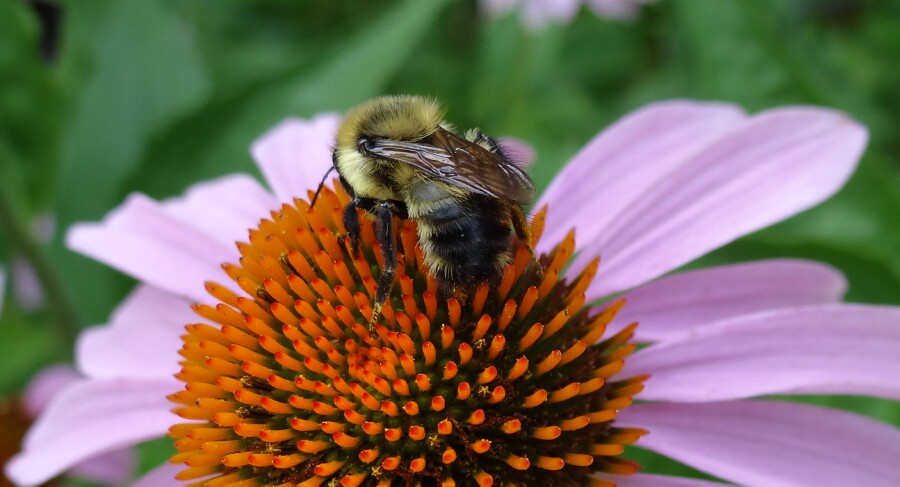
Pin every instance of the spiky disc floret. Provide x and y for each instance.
(508, 386)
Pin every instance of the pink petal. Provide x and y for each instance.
(772, 443)
(2, 287)
(497, 8)
(161, 476)
(624, 161)
(224, 208)
(521, 153)
(90, 418)
(672, 306)
(779, 163)
(829, 349)
(112, 468)
(538, 13)
(26, 289)
(142, 340)
(650, 480)
(295, 155)
(45, 385)
(615, 9)
(143, 240)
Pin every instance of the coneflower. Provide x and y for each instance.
(521, 384)
(513, 385)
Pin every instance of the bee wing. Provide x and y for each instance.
(464, 164)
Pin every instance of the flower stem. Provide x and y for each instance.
(22, 240)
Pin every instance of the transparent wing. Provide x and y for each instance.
(454, 160)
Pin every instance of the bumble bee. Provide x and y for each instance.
(397, 157)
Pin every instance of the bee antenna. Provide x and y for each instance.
(319, 189)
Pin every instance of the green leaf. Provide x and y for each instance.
(25, 348)
(216, 140)
(145, 73)
(32, 105)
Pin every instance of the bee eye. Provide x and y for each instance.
(365, 145)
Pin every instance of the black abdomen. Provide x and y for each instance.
(467, 241)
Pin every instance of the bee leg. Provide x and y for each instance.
(351, 219)
(351, 224)
(384, 233)
(523, 231)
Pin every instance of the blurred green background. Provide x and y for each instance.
(152, 96)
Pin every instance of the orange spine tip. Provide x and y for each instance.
(393, 434)
(429, 353)
(512, 426)
(547, 433)
(517, 462)
(449, 456)
(487, 375)
(480, 446)
(328, 468)
(575, 423)
(423, 382)
(312, 446)
(536, 398)
(477, 417)
(481, 327)
(530, 337)
(390, 408)
(408, 364)
(527, 302)
(566, 392)
(549, 363)
(411, 408)
(368, 456)
(550, 463)
(416, 433)
(450, 371)
(465, 353)
(445, 427)
(371, 428)
(497, 395)
(484, 479)
(454, 312)
(288, 461)
(497, 345)
(390, 463)
(438, 403)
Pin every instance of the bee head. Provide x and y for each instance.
(399, 117)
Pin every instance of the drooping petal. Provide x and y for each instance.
(615, 9)
(829, 349)
(2, 287)
(778, 164)
(497, 8)
(538, 13)
(625, 160)
(142, 339)
(772, 443)
(112, 468)
(224, 208)
(672, 306)
(46, 384)
(141, 239)
(520, 152)
(295, 155)
(89, 418)
(161, 476)
(650, 480)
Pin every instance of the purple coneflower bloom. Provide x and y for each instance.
(538, 13)
(658, 189)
